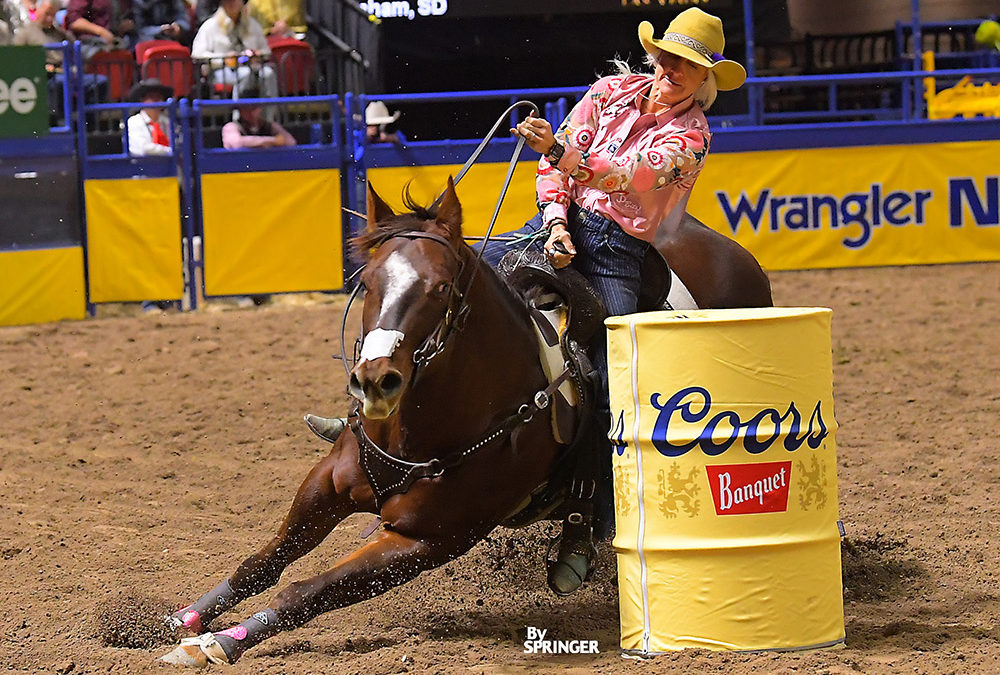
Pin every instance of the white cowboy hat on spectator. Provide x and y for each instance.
(696, 36)
(376, 114)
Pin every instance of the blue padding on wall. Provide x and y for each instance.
(126, 167)
(300, 157)
(53, 144)
(424, 153)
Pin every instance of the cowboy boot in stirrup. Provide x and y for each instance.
(575, 560)
(327, 428)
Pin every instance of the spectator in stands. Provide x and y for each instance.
(252, 130)
(162, 20)
(378, 119)
(235, 45)
(16, 14)
(101, 24)
(204, 9)
(280, 18)
(43, 31)
(149, 129)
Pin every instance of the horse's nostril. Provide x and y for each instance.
(391, 383)
(354, 386)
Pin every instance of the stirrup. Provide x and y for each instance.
(577, 554)
(327, 428)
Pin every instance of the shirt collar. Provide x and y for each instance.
(663, 116)
(149, 120)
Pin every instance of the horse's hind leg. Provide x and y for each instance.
(390, 560)
(317, 508)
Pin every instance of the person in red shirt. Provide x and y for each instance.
(149, 129)
(107, 22)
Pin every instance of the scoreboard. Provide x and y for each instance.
(417, 9)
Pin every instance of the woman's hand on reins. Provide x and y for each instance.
(559, 247)
(537, 132)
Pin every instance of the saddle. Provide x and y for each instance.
(566, 312)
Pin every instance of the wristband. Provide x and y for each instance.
(555, 153)
(557, 221)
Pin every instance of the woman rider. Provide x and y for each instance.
(620, 163)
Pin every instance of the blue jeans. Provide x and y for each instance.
(611, 260)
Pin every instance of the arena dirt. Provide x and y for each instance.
(142, 457)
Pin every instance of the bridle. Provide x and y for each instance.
(458, 309)
(387, 474)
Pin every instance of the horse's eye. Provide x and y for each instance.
(442, 288)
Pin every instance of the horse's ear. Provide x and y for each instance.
(449, 214)
(378, 210)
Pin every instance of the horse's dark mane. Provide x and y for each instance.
(414, 221)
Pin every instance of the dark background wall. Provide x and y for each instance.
(501, 49)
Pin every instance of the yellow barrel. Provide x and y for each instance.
(725, 478)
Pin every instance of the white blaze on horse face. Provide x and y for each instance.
(400, 276)
(379, 343)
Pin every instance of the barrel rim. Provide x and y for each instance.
(690, 317)
(830, 644)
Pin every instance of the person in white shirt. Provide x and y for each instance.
(235, 46)
(149, 129)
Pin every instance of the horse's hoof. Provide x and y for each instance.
(196, 652)
(568, 573)
(189, 656)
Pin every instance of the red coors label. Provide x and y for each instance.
(749, 488)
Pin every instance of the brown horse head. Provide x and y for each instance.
(415, 261)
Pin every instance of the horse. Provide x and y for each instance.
(441, 452)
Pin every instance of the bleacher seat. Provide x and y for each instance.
(171, 63)
(118, 66)
(142, 48)
(296, 64)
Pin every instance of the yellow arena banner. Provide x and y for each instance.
(134, 239)
(41, 285)
(272, 232)
(856, 206)
(725, 479)
(478, 192)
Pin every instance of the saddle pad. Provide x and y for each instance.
(679, 296)
(549, 325)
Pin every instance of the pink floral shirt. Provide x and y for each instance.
(632, 167)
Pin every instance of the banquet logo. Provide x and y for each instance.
(749, 488)
(716, 435)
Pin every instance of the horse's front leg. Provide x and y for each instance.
(333, 490)
(390, 560)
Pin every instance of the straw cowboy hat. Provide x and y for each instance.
(377, 114)
(697, 37)
(139, 91)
